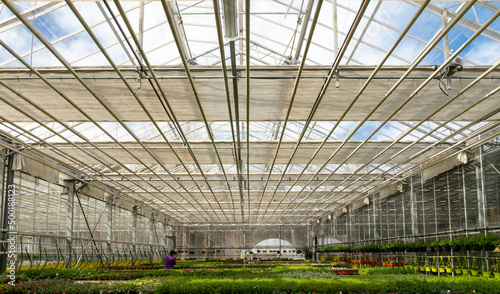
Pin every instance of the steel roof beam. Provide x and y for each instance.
(294, 91)
(461, 91)
(235, 137)
(161, 96)
(193, 87)
(31, 13)
(63, 61)
(465, 22)
(365, 85)
(89, 31)
(305, 23)
(336, 64)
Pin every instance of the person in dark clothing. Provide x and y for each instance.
(170, 260)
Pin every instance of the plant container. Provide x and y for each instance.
(486, 274)
(422, 269)
(497, 275)
(465, 271)
(489, 247)
(449, 270)
(441, 269)
(427, 268)
(434, 269)
(474, 272)
(458, 271)
(428, 249)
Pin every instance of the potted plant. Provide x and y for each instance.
(491, 242)
(496, 273)
(482, 242)
(474, 271)
(486, 270)
(435, 246)
(455, 245)
(445, 245)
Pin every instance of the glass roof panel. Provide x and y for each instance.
(352, 156)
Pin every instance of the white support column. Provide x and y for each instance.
(377, 230)
(70, 188)
(134, 234)
(413, 205)
(109, 223)
(134, 225)
(151, 239)
(481, 200)
(165, 233)
(152, 234)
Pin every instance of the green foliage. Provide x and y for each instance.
(364, 284)
(371, 271)
(477, 242)
(49, 286)
(280, 280)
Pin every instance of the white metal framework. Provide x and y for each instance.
(279, 116)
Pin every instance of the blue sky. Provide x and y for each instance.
(265, 28)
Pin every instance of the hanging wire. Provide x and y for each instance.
(442, 85)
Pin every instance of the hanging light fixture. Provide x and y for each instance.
(229, 13)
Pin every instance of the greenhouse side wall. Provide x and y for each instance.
(61, 222)
(460, 201)
(237, 241)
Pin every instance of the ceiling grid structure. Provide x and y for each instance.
(157, 100)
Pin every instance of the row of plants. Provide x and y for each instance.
(109, 274)
(476, 242)
(374, 280)
(456, 271)
(341, 259)
(298, 251)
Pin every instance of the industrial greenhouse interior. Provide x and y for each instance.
(341, 136)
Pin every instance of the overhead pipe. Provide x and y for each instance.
(230, 15)
(294, 92)
(247, 59)
(305, 24)
(236, 145)
(160, 89)
(110, 60)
